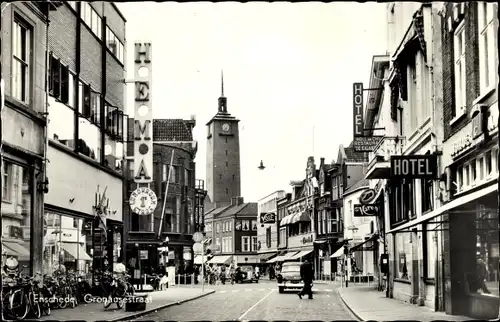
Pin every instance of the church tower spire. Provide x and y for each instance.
(222, 99)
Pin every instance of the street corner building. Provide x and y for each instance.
(83, 217)
(23, 103)
(173, 182)
(268, 226)
(232, 232)
(440, 221)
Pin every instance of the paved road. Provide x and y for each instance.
(258, 302)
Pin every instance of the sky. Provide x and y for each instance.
(288, 74)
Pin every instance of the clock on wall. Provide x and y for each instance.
(226, 127)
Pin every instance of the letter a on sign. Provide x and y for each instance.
(142, 173)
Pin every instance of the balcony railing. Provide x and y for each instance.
(388, 146)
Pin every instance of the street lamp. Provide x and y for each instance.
(261, 166)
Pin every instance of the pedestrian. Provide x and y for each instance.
(482, 274)
(306, 274)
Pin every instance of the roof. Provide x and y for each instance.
(172, 130)
(360, 184)
(245, 209)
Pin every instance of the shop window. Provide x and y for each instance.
(255, 244)
(487, 247)
(480, 166)
(16, 214)
(245, 244)
(403, 258)
(466, 175)
(68, 245)
(460, 178)
(473, 171)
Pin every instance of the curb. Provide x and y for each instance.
(348, 307)
(145, 312)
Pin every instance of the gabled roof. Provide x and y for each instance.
(172, 130)
(349, 155)
(245, 209)
(360, 184)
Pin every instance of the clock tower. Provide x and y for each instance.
(223, 177)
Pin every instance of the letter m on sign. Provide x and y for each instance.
(142, 131)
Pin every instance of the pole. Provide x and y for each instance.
(166, 193)
(203, 268)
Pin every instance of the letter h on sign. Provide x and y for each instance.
(146, 52)
(358, 126)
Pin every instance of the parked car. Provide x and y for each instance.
(289, 277)
(245, 274)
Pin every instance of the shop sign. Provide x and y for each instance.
(461, 145)
(366, 143)
(357, 92)
(267, 218)
(143, 201)
(143, 254)
(367, 196)
(366, 210)
(306, 240)
(143, 116)
(414, 166)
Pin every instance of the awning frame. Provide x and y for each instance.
(444, 208)
(302, 253)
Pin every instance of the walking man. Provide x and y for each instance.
(306, 274)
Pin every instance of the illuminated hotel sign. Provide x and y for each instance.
(143, 116)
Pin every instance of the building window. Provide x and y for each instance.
(89, 142)
(460, 83)
(220, 176)
(268, 237)
(245, 225)
(91, 19)
(489, 167)
(217, 228)
(21, 60)
(427, 196)
(460, 178)
(255, 244)
(473, 171)
(165, 172)
(72, 4)
(226, 163)
(283, 237)
(480, 165)
(116, 47)
(233, 177)
(227, 191)
(335, 190)
(487, 46)
(226, 152)
(245, 244)
(254, 225)
(16, 211)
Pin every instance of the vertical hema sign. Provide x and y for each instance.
(357, 89)
(143, 116)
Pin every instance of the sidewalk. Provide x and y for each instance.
(367, 304)
(96, 312)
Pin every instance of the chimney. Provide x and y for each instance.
(240, 201)
(234, 201)
(322, 161)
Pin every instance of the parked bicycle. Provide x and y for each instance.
(117, 289)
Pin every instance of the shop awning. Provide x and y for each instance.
(198, 259)
(338, 253)
(358, 246)
(287, 220)
(450, 205)
(76, 251)
(283, 258)
(301, 254)
(221, 259)
(300, 217)
(266, 256)
(15, 249)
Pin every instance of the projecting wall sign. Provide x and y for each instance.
(366, 210)
(143, 201)
(143, 116)
(414, 166)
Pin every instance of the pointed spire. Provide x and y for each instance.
(222, 82)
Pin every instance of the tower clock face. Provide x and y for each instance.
(226, 127)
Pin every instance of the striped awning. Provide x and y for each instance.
(287, 220)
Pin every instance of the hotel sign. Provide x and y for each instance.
(358, 109)
(366, 143)
(143, 115)
(414, 166)
(366, 210)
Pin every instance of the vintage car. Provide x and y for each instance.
(289, 277)
(245, 274)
